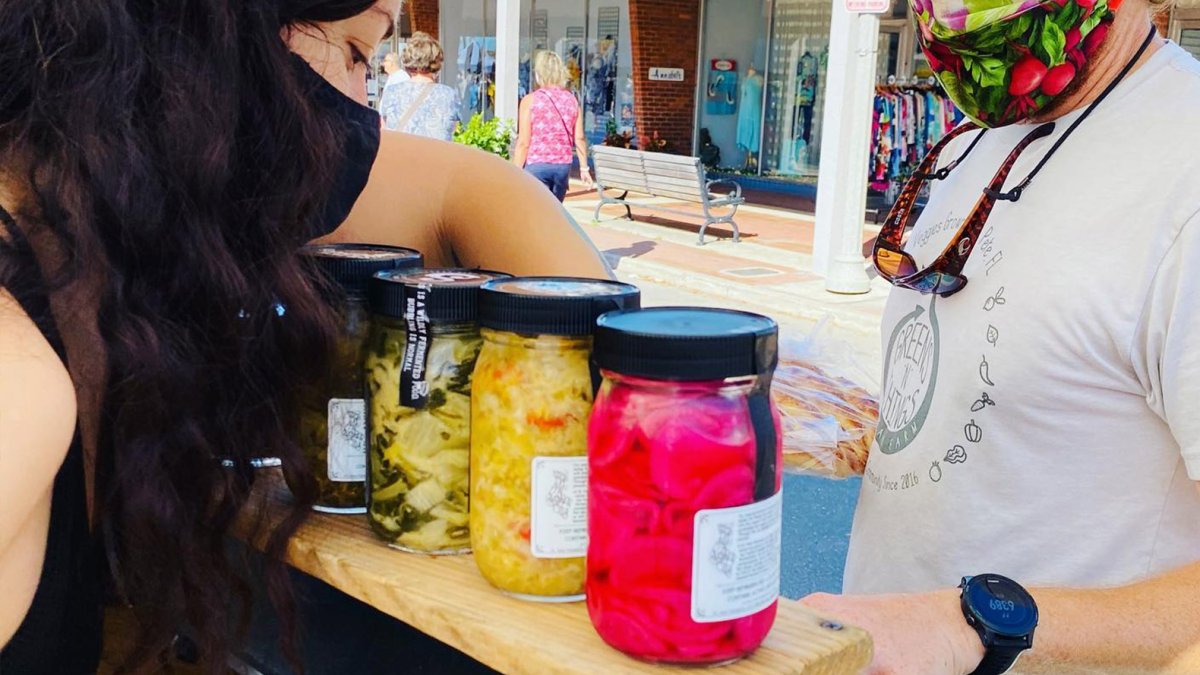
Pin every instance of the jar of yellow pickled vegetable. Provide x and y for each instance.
(421, 355)
(530, 403)
(333, 421)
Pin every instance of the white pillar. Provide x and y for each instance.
(508, 58)
(845, 145)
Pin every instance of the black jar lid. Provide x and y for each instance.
(451, 295)
(351, 265)
(686, 343)
(566, 306)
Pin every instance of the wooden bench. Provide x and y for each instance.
(675, 177)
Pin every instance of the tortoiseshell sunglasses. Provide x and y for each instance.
(944, 277)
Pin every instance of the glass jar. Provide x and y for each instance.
(333, 419)
(420, 360)
(684, 501)
(530, 404)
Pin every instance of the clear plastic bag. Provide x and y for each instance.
(824, 391)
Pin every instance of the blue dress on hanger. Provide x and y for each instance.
(749, 123)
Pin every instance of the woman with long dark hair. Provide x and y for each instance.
(160, 162)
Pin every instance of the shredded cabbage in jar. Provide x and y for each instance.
(419, 458)
(531, 398)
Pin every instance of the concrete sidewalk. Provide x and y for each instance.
(769, 271)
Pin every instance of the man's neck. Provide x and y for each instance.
(1126, 36)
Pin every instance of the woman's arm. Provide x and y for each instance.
(581, 147)
(463, 207)
(524, 132)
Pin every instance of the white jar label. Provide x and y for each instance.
(347, 455)
(735, 560)
(558, 507)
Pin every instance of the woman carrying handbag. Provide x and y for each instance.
(545, 140)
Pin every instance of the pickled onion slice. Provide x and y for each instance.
(650, 561)
(687, 450)
(732, 487)
(629, 634)
(612, 427)
(618, 515)
(669, 611)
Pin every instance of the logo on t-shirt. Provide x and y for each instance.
(910, 376)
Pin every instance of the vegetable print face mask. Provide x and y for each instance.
(1002, 61)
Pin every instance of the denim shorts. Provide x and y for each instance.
(553, 176)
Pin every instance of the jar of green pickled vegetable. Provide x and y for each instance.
(530, 403)
(420, 360)
(333, 422)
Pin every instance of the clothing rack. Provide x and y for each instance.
(909, 118)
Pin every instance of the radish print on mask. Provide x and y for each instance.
(1002, 64)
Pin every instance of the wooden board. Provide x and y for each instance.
(446, 598)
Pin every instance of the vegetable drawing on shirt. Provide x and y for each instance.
(985, 372)
(994, 301)
(983, 402)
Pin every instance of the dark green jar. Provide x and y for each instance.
(333, 421)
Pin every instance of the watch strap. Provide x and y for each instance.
(997, 660)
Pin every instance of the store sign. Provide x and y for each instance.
(666, 74)
(868, 6)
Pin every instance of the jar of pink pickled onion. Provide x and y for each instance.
(684, 501)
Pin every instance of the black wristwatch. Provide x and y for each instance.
(1004, 614)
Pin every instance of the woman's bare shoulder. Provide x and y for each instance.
(426, 166)
(37, 396)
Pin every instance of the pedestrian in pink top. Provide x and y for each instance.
(550, 128)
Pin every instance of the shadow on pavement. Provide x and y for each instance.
(635, 250)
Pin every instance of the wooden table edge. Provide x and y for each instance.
(831, 648)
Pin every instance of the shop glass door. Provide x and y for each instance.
(732, 76)
(468, 36)
(592, 38)
(796, 88)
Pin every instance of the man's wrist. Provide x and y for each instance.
(965, 643)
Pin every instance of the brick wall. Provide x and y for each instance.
(1163, 20)
(423, 15)
(665, 34)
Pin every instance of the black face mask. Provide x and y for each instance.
(360, 128)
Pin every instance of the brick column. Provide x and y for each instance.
(665, 34)
(424, 15)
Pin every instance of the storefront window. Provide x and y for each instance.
(608, 71)
(592, 37)
(732, 80)
(468, 35)
(764, 84)
(796, 87)
(763, 75)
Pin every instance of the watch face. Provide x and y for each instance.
(1002, 605)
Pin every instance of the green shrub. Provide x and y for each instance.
(494, 135)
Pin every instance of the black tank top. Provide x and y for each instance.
(61, 634)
